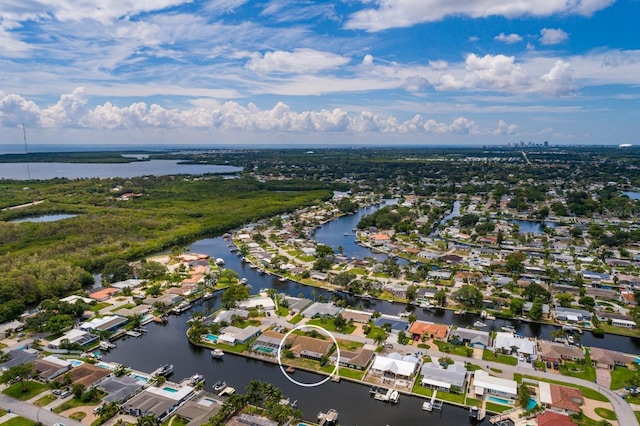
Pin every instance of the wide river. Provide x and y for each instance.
(168, 344)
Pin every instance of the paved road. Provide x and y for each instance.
(32, 412)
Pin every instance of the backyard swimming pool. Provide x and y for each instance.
(171, 390)
(75, 362)
(211, 337)
(532, 403)
(140, 378)
(500, 400)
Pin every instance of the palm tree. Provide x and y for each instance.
(254, 396)
(148, 421)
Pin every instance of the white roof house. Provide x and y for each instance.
(397, 366)
(510, 343)
(264, 302)
(483, 384)
(436, 376)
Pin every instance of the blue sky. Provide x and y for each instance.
(427, 72)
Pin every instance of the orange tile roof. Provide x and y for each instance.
(437, 330)
(101, 294)
(380, 237)
(565, 397)
(549, 418)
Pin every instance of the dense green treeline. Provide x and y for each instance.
(69, 157)
(43, 260)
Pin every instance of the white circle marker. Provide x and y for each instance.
(308, 385)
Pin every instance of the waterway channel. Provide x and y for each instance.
(168, 344)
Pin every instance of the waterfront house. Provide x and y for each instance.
(157, 402)
(227, 316)
(131, 283)
(361, 317)
(263, 302)
(309, 347)
(395, 366)
(605, 358)
(358, 359)
(561, 399)
(572, 315)
(556, 352)
(296, 304)
(397, 290)
(50, 367)
(267, 343)
(244, 419)
(510, 343)
(396, 323)
(234, 335)
(615, 319)
(551, 418)
(167, 300)
(485, 384)
(83, 338)
(528, 305)
(443, 377)
(119, 389)
(470, 336)
(108, 323)
(428, 330)
(200, 410)
(89, 374)
(318, 309)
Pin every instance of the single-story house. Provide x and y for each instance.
(119, 389)
(106, 323)
(398, 290)
(50, 367)
(17, 357)
(551, 418)
(471, 337)
(263, 302)
(157, 402)
(511, 343)
(131, 283)
(228, 316)
(435, 376)
(425, 329)
(166, 299)
(89, 374)
(560, 398)
(528, 305)
(244, 419)
(570, 314)
(395, 366)
(485, 384)
(198, 412)
(75, 335)
(296, 304)
(104, 294)
(234, 335)
(397, 324)
(267, 343)
(10, 327)
(318, 309)
(605, 358)
(618, 320)
(358, 359)
(309, 347)
(356, 316)
(556, 352)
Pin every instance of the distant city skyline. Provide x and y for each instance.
(321, 73)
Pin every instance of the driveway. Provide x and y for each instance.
(603, 377)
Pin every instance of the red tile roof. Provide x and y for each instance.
(550, 418)
(566, 398)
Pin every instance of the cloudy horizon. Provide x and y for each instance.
(429, 72)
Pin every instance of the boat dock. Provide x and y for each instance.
(387, 395)
(328, 418)
(227, 391)
(133, 333)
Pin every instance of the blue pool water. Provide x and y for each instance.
(139, 378)
(75, 362)
(532, 403)
(499, 400)
(211, 337)
(172, 390)
(103, 365)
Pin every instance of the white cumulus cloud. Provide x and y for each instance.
(509, 39)
(298, 61)
(559, 80)
(380, 15)
(550, 36)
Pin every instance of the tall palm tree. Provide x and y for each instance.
(254, 395)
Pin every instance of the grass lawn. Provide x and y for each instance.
(239, 348)
(282, 311)
(582, 370)
(327, 324)
(376, 331)
(296, 319)
(476, 402)
(587, 392)
(72, 403)
(45, 400)
(472, 367)
(358, 271)
(175, 421)
(98, 306)
(125, 306)
(448, 348)
(33, 389)
(344, 372)
(619, 376)
(18, 421)
(451, 397)
(419, 390)
(496, 408)
(487, 355)
(78, 415)
(637, 413)
(496, 370)
(349, 345)
(605, 413)
(619, 330)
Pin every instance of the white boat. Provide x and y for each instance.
(479, 324)
(404, 314)
(217, 353)
(483, 314)
(165, 370)
(195, 379)
(282, 279)
(243, 281)
(219, 261)
(208, 296)
(395, 395)
(570, 339)
(427, 406)
(508, 328)
(219, 385)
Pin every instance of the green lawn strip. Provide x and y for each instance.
(376, 331)
(358, 271)
(496, 408)
(448, 348)
(345, 372)
(582, 370)
(611, 329)
(296, 319)
(73, 403)
(420, 390)
(451, 397)
(125, 306)
(239, 348)
(33, 389)
(282, 311)
(18, 421)
(487, 355)
(328, 325)
(175, 421)
(472, 367)
(349, 345)
(619, 376)
(45, 400)
(98, 306)
(605, 413)
(637, 413)
(78, 415)
(587, 392)
(583, 420)
(474, 402)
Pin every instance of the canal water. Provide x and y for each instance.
(168, 344)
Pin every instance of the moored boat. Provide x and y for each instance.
(219, 385)
(217, 353)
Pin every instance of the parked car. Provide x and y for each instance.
(555, 365)
(548, 364)
(65, 394)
